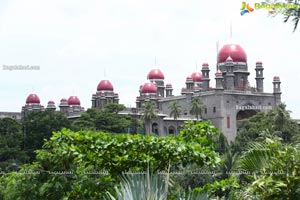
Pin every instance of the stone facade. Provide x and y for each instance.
(231, 100)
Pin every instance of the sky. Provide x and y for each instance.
(77, 44)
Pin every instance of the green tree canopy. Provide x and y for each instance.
(103, 120)
(38, 126)
(11, 143)
(85, 152)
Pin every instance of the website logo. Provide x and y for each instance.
(246, 8)
(272, 8)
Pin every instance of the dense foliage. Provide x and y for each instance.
(262, 163)
(86, 151)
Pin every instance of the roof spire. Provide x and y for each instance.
(230, 29)
(155, 61)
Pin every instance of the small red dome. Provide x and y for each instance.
(168, 85)
(148, 88)
(196, 76)
(205, 65)
(235, 51)
(229, 59)
(155, 74)
(218, 72)
(63, 100)
(51, 102)
(259, 63)
(105, 85)
(33, 98)
(276, 78)
(73, 100)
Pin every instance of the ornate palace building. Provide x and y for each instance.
(225, 92)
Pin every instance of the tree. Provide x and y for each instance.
(103, 120)
(282, 116)
(175, 111)
(288, 12)
(11, 143)
(148, 114)
(114, 108)
(86, 153)
(273, 170)
(38, 126)
(196, 107)
(276, 123)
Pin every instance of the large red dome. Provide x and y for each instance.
(105, 85)
(73, 100)
(32, 98)
(196, 76)
(149, 88)
(155, 74)
(235, 51)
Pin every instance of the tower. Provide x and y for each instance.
(64, 106)
(229, 77)
(276, 89)
(156, 76)
(259, 77)
(104, 95)
(205, 74)
(219, 80)
(169, 90)
(51, 106)
(189, 83)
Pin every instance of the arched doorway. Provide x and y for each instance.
(155, 128)
(243, 114)
(171, 130)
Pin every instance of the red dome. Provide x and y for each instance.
(73, 100)
(276, 78)
(148, 88)
(235, 51)
(155, 74)
(218, 72)
(105, 85)
(259, 63)
(205, 65)
(51, 102)
(32, 98)
(196, 76)
(63, 100)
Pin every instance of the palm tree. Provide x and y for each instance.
(148, 114)
(175, 111)
(281, 117)
(196, 107)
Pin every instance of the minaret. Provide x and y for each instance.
(219, 80)
(169, 90)
(189, 83)
(205, 76)
(64, 106)
(51, 106)
(229, 77)
(276, 89)
(259, 77)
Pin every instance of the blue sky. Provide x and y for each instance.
(78, 43)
